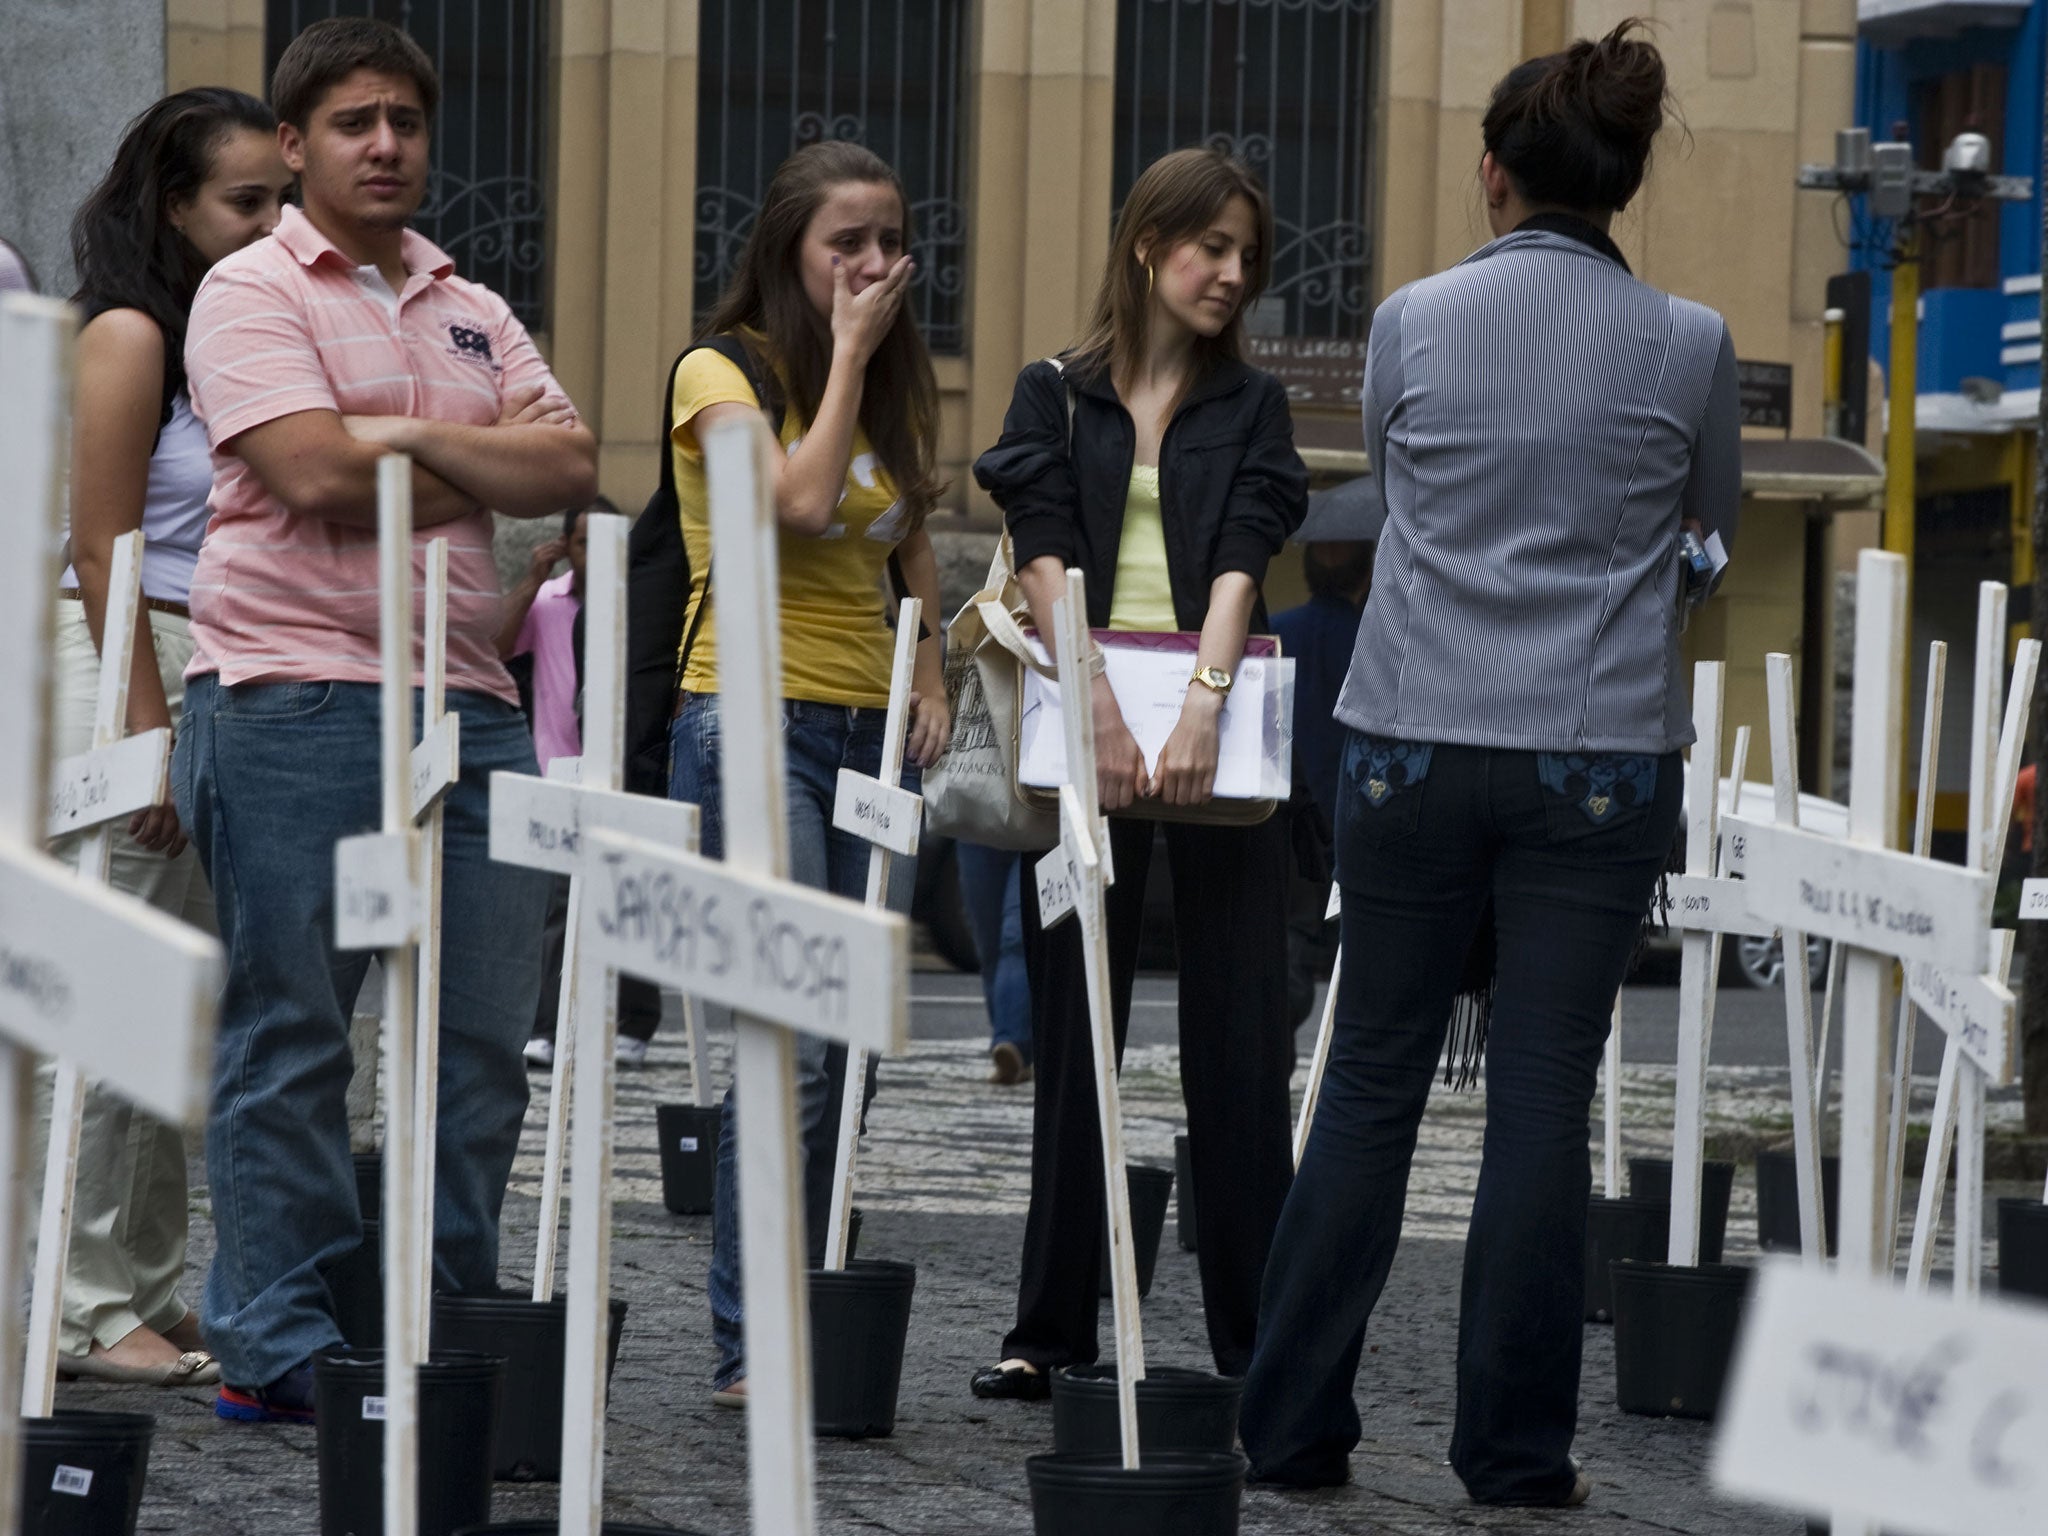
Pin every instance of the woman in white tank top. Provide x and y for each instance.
(197, 176)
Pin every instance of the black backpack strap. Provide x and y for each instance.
(741, 356)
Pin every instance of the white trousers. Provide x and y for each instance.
(128, 1216)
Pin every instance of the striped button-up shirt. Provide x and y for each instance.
(290, 324)
(1539, 422)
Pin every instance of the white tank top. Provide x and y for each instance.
(173, 507)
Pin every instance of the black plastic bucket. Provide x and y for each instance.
(1178, 1410)
(355, 1284)
(553, 1527)
(1777, 1201)
(369, 1184)
(688, 1134)
(1674, 1335)
(82, 1473)
(860, 1317)
(1151, 1190)
(1620, 1229)
(2023, 1247)
(1649, 1178)
(1183, 1194)
(458, 1421)
(1176, 1493)
(533, 1338)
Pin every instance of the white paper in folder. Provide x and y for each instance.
(1150, 674)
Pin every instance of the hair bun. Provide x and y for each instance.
(1575, 128)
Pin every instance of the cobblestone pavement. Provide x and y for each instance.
(944, 1172)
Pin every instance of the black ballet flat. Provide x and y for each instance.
(1016, 1382)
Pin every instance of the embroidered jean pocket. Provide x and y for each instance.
(1386, 778)
(1590, 793)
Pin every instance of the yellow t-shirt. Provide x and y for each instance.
(836, 645)
(1143, 595)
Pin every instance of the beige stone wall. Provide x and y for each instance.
(1761, 85)
(214, 42)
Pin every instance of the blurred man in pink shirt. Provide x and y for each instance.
(311, 354)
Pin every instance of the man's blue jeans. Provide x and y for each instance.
(989, 888)
(266, 778)
(818, 740)
(1568, 846)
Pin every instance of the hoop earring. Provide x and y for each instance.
(1148, 279)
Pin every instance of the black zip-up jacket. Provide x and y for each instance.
(1231, 486)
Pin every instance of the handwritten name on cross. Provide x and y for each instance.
(1883, 906)
(890, 817)
(782, 956)
(108, 781)
(378, 905)
(143, 1028)
(1072, 880)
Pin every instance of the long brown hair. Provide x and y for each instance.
(1176, 200)
(899, 408)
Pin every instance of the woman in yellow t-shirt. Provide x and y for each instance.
(818, 304)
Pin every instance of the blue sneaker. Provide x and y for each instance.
(287, 1400)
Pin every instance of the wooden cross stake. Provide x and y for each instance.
(1705, 905)
(890, 817)
(436, 763)
(377, 905)
(783, 957)
(142, 1028)
(540, 823)
(1977, 1012)
(1319, 1063)
(1072, 879)
(112, 780)
(1781, 694)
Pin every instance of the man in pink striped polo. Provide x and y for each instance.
(310, 355)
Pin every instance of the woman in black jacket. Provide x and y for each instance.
(1159, 462)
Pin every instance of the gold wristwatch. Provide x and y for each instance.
(1215, 679)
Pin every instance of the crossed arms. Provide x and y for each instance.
(534, 461)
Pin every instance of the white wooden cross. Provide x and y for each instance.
(142, 1028)
(890, 817)
(1976, 1011)
(541, 823)
(113, 779)
(1798, 979)
(1705, 906)
(1909, 1015)
(1072, 879)
(1319, 1063)
(377, 905)
(1885, 906)
(783, 957)
(435, 764)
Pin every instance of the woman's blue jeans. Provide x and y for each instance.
(989, 888)
(1569, 848)
(818, 740)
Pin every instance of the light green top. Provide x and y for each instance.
(1143, 595)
